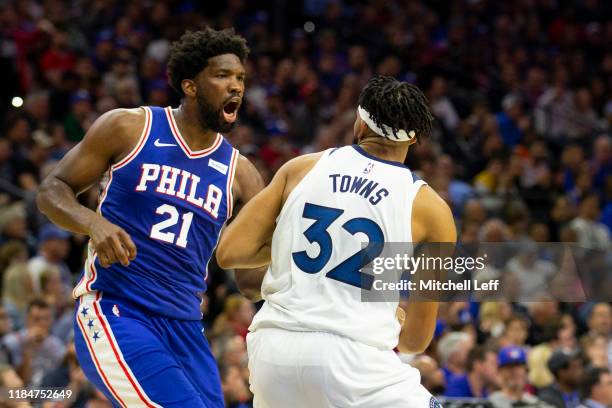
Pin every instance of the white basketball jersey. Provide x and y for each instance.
(349, 198)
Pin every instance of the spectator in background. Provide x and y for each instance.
(34, 351)
(453, 350)
(28, 169)
(13, 224)
(596, 388)
(583, 120)
(545, 320)
(566, 335)
(16, 293)
(511, 121)
(600, 323)
(58, 58)
(595, 347)
(53, 248)
(539, 375)
(531, 271)
(10, 379)
(488, 180)
(60, 301)
(11, 253)
(235, 390)
(121, 68)
(80, 115)
(126, 94)
(552, 111)
(601, 164)
(515, 331)
(6, 326)
(235, 352)
(459, 192)
(6, 169)
(237, 316)
(492, 317)
(481, 377)
(474, 212)
(37, 108)
(573, 164)
(566, 368)
(432, 377)
(69, 375)
(591, 233)
(513, 380)
(441, 105)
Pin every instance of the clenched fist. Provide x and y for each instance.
(111, 243)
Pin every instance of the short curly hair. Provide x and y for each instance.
(399, 105)
(189, 55)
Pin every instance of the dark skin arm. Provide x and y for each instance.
(108, 141)
(432, 221)
(247, 184)
(252, 230)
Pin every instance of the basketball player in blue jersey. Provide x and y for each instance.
(172, 180)
(314, 343)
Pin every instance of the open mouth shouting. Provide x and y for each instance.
(230, 109)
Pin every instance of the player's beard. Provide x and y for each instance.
(211, 118)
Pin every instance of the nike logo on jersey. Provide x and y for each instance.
(157, 143)
(220, 167)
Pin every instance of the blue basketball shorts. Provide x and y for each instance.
(139, 360)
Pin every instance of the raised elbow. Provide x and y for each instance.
(221, 260)
(42, 193)
(223, 256)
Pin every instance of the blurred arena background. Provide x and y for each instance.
(521, 151)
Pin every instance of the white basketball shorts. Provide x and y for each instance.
(291, 369)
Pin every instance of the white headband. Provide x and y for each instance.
(400, 136)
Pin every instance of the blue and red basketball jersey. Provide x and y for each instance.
(173, 202)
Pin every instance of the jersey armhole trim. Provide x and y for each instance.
(412, 193)
(230, 183)
(141, 141)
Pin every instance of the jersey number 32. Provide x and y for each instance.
(349, 270)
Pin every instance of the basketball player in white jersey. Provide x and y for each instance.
(314, 343)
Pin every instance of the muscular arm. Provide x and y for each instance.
(246, 241)
(110, 138)
(247, 184)
(432, 222)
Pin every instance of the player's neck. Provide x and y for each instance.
(382, 151)
(196, 136)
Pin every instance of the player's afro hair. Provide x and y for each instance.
(397, 104)
(189, 55)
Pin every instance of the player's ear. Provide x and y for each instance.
(413, 138)
(189, 87)
(359, 129)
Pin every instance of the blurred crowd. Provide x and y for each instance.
(521, 150)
